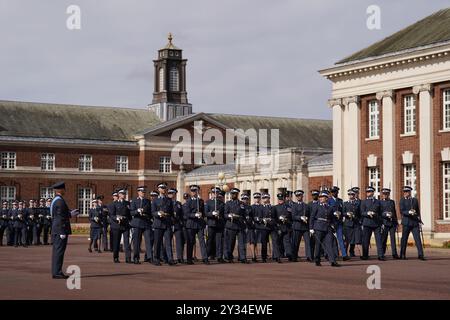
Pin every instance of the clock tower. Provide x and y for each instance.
(169, 95)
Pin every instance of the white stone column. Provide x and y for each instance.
(426, 154)
(388, 140)
(338, 163)
(352, 154)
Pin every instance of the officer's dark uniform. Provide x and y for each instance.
(235, 227)
(265, 223)
(283, 214)
(300, 228)
(20, 226)
(120, 218)
(142, 219)
(311, 206)
(60, 231)
(110, 209)
(195, 226)
(31, 225)
(338, 220)
(178, 226)
(47, 229)
(371, 224)
(162, 226)
(389, 223)
(352, 227)
(4, 222)
(320, 222)
(95, 217)
(410, 210)
(214, 212)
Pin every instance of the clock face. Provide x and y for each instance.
(170, 53)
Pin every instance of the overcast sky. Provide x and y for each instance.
(244, 56)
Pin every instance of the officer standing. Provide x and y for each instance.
(20, 224)
(389, 222)
(320, 227)
(311, 206)
(60, 229)
(265, 223)
(141, 222)
(4, 221)
(195, 224)
(253, 234)
(300, 226)
(235, 226)
(283, 213)
(162, 211)
(47, 230)
(178, 224)
(95, 213)
(214, 212)
(109, 207)
(337, 204)
(250, 236)
(120, 218)
(31, 223)
(352, 227)
(411, 222)
(371, 222)
(104, 221)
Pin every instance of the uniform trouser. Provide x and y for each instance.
(324, 240)
(11, 235)
(284, 239)
(2, 232)
(340, 239)
(405, 235)
(168, 245)
(115, 241)
(231, 235)
(265, 240)
(30, 234)
(137, 240)
(105, 237)
(297, 236)
(367, 235)
(179, 243)
(163, 240)
(20, 236)
(214, 244)
(191, 243)
(46, 230)
(59, 248)
(389, 231)
(37, 230)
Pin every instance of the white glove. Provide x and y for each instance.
(160, 213)
(140, 210)
(215, 213)
(62, 236)
(198, 215)
(311, 231)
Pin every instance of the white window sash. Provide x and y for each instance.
(446, 109)
(446, 190)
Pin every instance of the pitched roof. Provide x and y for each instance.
(428, 31)
(44, 120)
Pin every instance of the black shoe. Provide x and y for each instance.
(15, 246)
(422, 258)
(136, 261)
(220, 260)
(254, 259)
(25, 246)
(352, 254)
(90, 250)
(402, 257)
(172, 263)
(205, 261)
(60, 276)
(157, 263)
(318, 264)
(382, 258)
(243, 261)
(116, 260)
(293, 259)
(190, 262)
(278, 260)
(180, 261)
(346, 258)
(264, 260)
(364, 258)
(128, 261)
(335, 264)
(309, 260)
(395, 257)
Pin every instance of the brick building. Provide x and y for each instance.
(98, 149)
(391, 117)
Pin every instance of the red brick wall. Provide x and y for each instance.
(374, 147)
(316, 183)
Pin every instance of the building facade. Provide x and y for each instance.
(391, 118)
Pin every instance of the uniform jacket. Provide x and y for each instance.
(120, 208)
(164, 204)
(265, 211)
(178, 215)
(406, 205)
(351, 206)
(338, 206)
(300, 209)
(388, 206)
(32, 216)
(249, 216)
(194, 205)
(140, 220)
(371, 205)
(211, 220)
(19, 222)
(238, 208)
(61, 217)
(95, 213)
(286, 211)
(4, 217)
(321, 217)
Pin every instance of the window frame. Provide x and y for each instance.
(83, 160)
(409, 121)
(446, 109)
(174, 79)
(410, 179)
(8, 198)
(122, 164)
(164, 162)
(84, 198)
(445, 191)
(161, 79)
(46, 160)
(374, 182)
(9, 158)
(46, 192)
(374, 126)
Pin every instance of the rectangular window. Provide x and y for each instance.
(7, 193)
(375, 179)
(46, 192)
(446, 109)
(165, 165)
(409, 177)
(85, 163)
(121, 164)
(409, 107)
(446, 190)
(48, 161)
(374, 119)
(8, 160)
(84, 200)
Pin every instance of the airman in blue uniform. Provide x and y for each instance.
(411, 222)
(389, 222)
(235, 226)
(178, 224)
(250, 236)
(311, 205)
(265, 223)
(4, 221)
(253, 234)
(120, 217)
(371, 223)
(283, 214)
(214, 212)
(20, 218)
(95, 217)
(352, 226)
(47, 229)
(338, 204)
(300, 226)
(140, 210)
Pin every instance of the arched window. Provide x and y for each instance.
(161, 79)
(174, 79)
